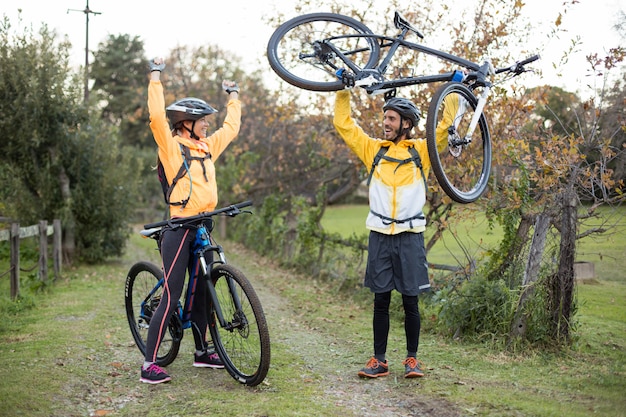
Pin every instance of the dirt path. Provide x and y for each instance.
(329, 352)
(331, 357)
(83, 361)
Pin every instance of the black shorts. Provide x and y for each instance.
(397, 262)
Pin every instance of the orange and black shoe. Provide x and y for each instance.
(413, 368)
(374, 368)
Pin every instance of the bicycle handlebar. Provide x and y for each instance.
(518, 67)
(231, 210)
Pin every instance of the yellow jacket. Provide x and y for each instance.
(203, 192)
(395, 192)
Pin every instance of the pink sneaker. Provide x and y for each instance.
(208, 360)
(154, 375)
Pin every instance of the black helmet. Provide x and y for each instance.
(404, 107)
(188, 109)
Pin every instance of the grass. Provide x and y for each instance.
(473, 233)
(72, 355)
(67, 351)
(539, 383)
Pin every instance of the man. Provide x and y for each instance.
(397, 193)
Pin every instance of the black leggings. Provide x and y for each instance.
(381, 322)
(177, 261)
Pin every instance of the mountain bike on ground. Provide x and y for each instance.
(236, 320)
(328, 51)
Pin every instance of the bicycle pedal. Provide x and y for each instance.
(368, 78)
(381, 91)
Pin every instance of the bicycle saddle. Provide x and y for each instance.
(401, 23)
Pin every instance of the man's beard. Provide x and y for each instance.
(396, 134)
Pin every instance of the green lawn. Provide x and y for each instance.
(607, 252)
(590, 374)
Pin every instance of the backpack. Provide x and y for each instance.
(415, 157)
(183, 171)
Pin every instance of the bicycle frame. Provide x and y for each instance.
(235, 315)
(372, 79)
(205, 274)
(330, 54)
(376, 82)
(345, 53)
(184, 312)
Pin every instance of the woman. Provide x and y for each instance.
(185, 144)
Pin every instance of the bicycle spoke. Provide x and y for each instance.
(461, 161)
(243, 342)
(240, 339)
(141, 302)
(308, 64)
(463, 157)
(299, 54)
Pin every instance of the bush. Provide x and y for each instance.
(479, 309)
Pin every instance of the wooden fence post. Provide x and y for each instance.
(15, 260)
(57, 256)
(43, 251)
(15, 233)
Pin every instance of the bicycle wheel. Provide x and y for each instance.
(243, 343)
(142, 295)
(296, 55)
(461, 164)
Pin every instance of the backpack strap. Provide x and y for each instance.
(377, 158)
(184, 171)
(200, 159)
(388, 220)
(415, 157)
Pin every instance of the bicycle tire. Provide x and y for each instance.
(296, 36)
(462, 170)
(140, 281)
(245, 346)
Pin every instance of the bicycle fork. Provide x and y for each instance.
(238, 318)
(482, 100)
(485, 70)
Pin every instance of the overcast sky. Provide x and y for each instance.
(237, 26)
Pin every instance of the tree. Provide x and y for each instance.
(105, 178)
(54, 161)
(119, 74)
(611, 124)
(39, 112)
(557, 109)
(545, 165)
(562, 158)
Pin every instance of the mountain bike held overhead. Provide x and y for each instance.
(329, 52)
